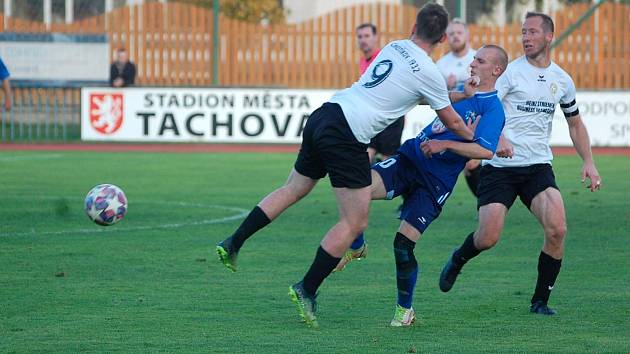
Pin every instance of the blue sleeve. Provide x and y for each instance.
(4, 72)
(490, 126)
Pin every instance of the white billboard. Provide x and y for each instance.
(606, 115)
(197, 115)
(56, 57)
(231, 115)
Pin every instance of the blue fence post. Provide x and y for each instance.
(11, 115)
(63, 116)
(38, 113)
(56, 121)
(46, 116)
(31, 114)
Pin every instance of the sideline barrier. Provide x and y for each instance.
(243, 115)
(41, 114)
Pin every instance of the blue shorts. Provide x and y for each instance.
(420, 206)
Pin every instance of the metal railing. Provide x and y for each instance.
(42, 114)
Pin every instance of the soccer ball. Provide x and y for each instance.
(106, 204)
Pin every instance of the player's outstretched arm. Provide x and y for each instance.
(582, 143)
(470, 150)
(454, 122)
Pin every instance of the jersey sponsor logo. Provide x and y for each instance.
(422, 137)
(541, 78)
(106, 112)
(380, 72)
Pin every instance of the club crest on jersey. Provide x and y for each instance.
(381, 71)
(471, 116)
(554, 88)
(438, 127)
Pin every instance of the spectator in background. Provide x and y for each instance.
(454, 65)
(122, 73)
(6, 86)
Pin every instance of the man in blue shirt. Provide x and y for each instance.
(6, 86)
(427, 166)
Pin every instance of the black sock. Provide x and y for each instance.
(256, 220)
(548, 270)
(322, 266)
(406, 269)
(466, 251)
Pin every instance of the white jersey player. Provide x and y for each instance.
(531, 88)
(334, 143)
(392, 85)
(530, 95)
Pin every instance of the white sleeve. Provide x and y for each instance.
(567, 102)
(502, 85)
(433, 88)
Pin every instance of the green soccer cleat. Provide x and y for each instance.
(350, 255)
(306, 304)
(227, 255)
(403, 317)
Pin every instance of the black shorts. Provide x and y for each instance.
(387, 142)
(329, 146)
(504, 184)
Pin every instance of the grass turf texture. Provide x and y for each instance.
(153, 282)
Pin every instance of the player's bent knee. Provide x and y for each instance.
(556, 233)
(355, 225)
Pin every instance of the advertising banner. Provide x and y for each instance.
(237, 115)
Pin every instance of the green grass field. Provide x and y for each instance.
(152, 283)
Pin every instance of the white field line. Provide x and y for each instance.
(239, 214)
(30, 157)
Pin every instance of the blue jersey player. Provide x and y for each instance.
(426, 168)
(6, 86)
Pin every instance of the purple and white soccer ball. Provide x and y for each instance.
(106, 204)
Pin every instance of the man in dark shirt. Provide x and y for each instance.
(122, 73)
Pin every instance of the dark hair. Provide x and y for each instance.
(547, 22)
(367, 25)
(501, 58)
(431, 23)
(121, 49)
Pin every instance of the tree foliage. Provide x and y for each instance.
(254, 11)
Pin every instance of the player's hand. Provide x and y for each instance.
(471, 85)
(590, 171)
(451, 81)
(505, 148)
(473, 122)
(431, 147)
